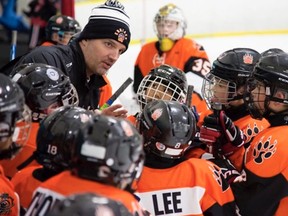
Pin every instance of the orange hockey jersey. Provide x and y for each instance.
(25, 184)
(8, 198)
(65, 184)
(265, 191)
(186, 55)
(193, 187)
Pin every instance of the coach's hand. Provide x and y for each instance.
(116, 110)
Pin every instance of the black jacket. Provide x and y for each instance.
(70, 59)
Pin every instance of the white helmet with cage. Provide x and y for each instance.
(170, 12)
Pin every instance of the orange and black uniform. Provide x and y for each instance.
(27, 180)
(65, 184)
(265, 191)
(186, 55)
(9, 199)
(242, 119)
(10, 165)
(191, 187)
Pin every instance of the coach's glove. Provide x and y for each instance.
(220, 132)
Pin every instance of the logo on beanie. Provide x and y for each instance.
(122, 34)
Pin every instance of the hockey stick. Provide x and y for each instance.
(13, 45)
(189, 95)
(119, 91)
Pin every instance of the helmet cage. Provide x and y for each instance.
(150, 89)
(170, 13)
(218, 90)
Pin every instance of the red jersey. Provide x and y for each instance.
(186, 55)
(193, 187)
(8, 198)
(65, 184)
(10, 165)
(265, 190)
(25, 184)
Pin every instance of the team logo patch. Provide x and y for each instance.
(122, 34)
(6, 203)
(59, 20)
(252, 131)
(264, 150)
(156, 114)
(219, 177)
(160, 146)
(52, 74)
(127, 129)
(248, 59)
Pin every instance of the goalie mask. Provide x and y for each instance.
(169, 25)
(45, 88)
(164, 82)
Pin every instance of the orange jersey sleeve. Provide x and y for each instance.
(266, 172)
(105, 91)
(25, 184)
(10, 166)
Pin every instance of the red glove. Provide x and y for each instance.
(222, 134)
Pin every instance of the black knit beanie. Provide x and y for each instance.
(108, 20)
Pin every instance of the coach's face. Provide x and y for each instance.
(100, 54)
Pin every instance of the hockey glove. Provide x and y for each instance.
(220, 132)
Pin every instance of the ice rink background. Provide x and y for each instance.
(217, 25)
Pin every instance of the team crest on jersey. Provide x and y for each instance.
(158, 60)
(122, 34)
(156, 114)
(248, 59)
(251, 131)
(264, 150)
(6, 203)
(219, 177)
(160, 146)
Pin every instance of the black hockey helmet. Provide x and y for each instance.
(44, 85)
(230, 71)
(88, 204)
(56, 136)
(235, 65)
(272, 72)
(271, 51)
(171, 78)
(62, 24)
(15, 118)
(168, 128)
(109, 150)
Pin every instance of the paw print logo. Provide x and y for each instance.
(264, 150)
(250, 132)
(218, 176)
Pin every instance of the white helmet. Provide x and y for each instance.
(173, 13)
